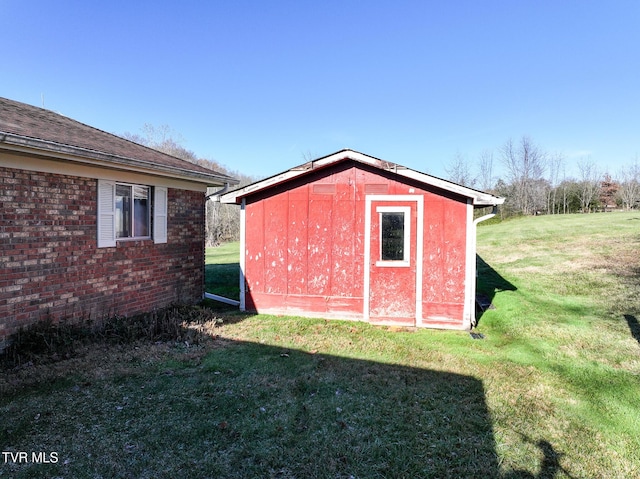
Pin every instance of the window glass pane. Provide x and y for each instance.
(141, 210)
(392, 240)
(123, 211)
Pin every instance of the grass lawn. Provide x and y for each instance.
(552, 391)
(221, 270)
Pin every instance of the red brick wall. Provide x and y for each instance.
(50, 265)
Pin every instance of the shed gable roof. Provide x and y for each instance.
(26, 128)
(479, 198)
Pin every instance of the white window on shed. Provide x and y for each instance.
(395, 234)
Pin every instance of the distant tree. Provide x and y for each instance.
(222, 221)
(507, 191)
(589, 184)
(525, 164)
(539, 192)
(164, 139)
(629, 192)
(459, 171)
(485, 171)
(564, 189)
(608, 192)
(568, 197)
(554, 166)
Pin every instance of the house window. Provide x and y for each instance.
(133, 211)
(395, 223)
(127, 211)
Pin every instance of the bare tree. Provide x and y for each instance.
(222, 222)
(629, 191)
(525, 164)
(589, 184)
(554, 164)
(569, 189)
(164, 139)
(485, 170)
(458, 171)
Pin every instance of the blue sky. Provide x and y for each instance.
(256, 85)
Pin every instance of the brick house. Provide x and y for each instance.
(351, 236)
(93, 225)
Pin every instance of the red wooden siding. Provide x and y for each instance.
(304, 250)
(444, 261)
(392, 290)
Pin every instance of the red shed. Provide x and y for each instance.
(350, 236)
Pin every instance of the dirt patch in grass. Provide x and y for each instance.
(623, 260)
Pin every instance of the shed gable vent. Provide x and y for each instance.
(324, 188)
(376, 188)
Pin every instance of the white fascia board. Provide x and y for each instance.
(346, 154)
(83, 156)
(233, 196)
(479, 198)
(54, 165)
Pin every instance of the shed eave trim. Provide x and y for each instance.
(237, 195)
(479, 198)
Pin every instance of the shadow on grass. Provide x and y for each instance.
(241, 409)
(634, 326)
(223, 279)
(549, 465)
(314, 415)
(252, 410)
(489, 283)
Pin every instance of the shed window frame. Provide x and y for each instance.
(405, 211)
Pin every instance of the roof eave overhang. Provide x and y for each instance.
(480, 198)
(26, 145)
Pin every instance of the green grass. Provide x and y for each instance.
(569, 324)
(222, 270)
(552, 391)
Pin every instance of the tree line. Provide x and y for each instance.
(222, 221)
(534, 181)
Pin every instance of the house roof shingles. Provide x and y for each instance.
(23, 125)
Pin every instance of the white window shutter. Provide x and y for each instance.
(160, 214)
(106, 213)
